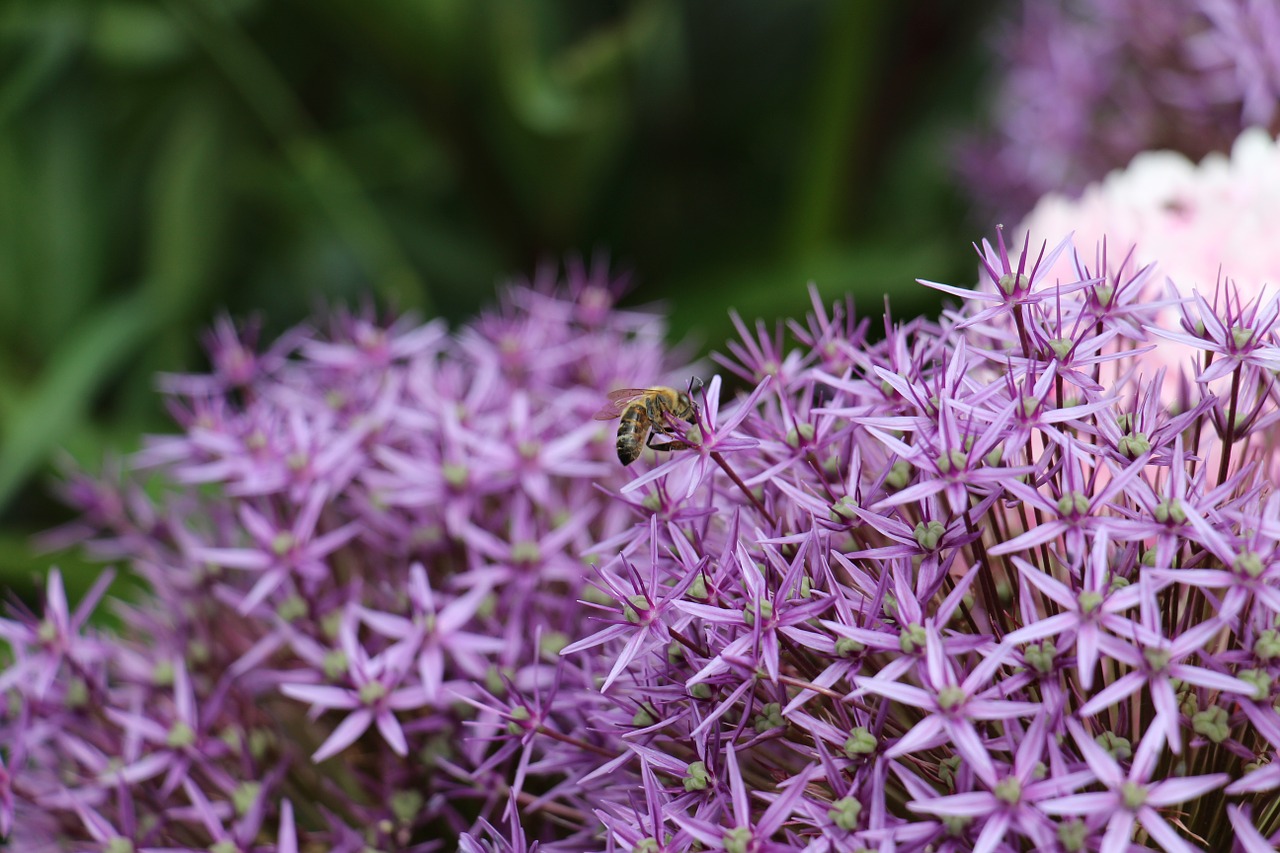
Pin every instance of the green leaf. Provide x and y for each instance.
(53, 35)
(188, 196)
(336, 187)
(136, 34)
(90, 356)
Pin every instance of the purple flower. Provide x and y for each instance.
(361, 552)
(977, 585)
(1008, 539)
(1084, 86)
(378, 687)
(1131, 796)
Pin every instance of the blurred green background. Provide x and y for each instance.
(163, 161)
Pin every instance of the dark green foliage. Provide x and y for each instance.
(162, 160)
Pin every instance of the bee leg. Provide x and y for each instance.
(666, 445)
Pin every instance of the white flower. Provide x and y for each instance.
(1189, 220)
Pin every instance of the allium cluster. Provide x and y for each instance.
(973, 586)
(1088, 84)
(977, 584)
(361, 554)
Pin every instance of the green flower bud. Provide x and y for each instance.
(1061, 347)
(1157, 658)
(331, 623)
(847, 647)
(844, 813)
(526, 553)
(899, 475)
(947, 768)
(749, 613)
(372, 692)
(77, 694)
(843, 509)
(552, 642)
(1008, 790)
(1267, 646)
(162, 674)
(860, 742)
(1212, 723)
(770, 718)
(912, 640)
(1041, 657)
(801, 434)
(1089, 601)
(1011, 283)
(635, 605)
(1134, 445)
(1072, 834)
(1260, 679)
(675, 653)
(244, 796)
(952, 462)
(929, 535)
(1073, 503)
(518, 717)
(951, 697)
(180, 736)
(737, 840)
(335, 664)
(1119, 747)
(696, 777)
(1133, 795)
(1169, 510)
(1248, 564)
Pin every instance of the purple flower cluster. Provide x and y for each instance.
(1085, 85)
(973, 586)
(989, 582)
(361, 554)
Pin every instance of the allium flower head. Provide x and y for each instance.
(361, 552)
(1086, 85)
(976, 586)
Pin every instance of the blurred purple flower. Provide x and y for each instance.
(1085, 85)
(360, 549)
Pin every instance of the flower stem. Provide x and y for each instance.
(733, 475)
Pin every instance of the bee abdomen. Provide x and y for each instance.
(630, 432)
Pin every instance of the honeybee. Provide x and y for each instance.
(644, 414)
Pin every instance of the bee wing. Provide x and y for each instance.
(618, 402)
